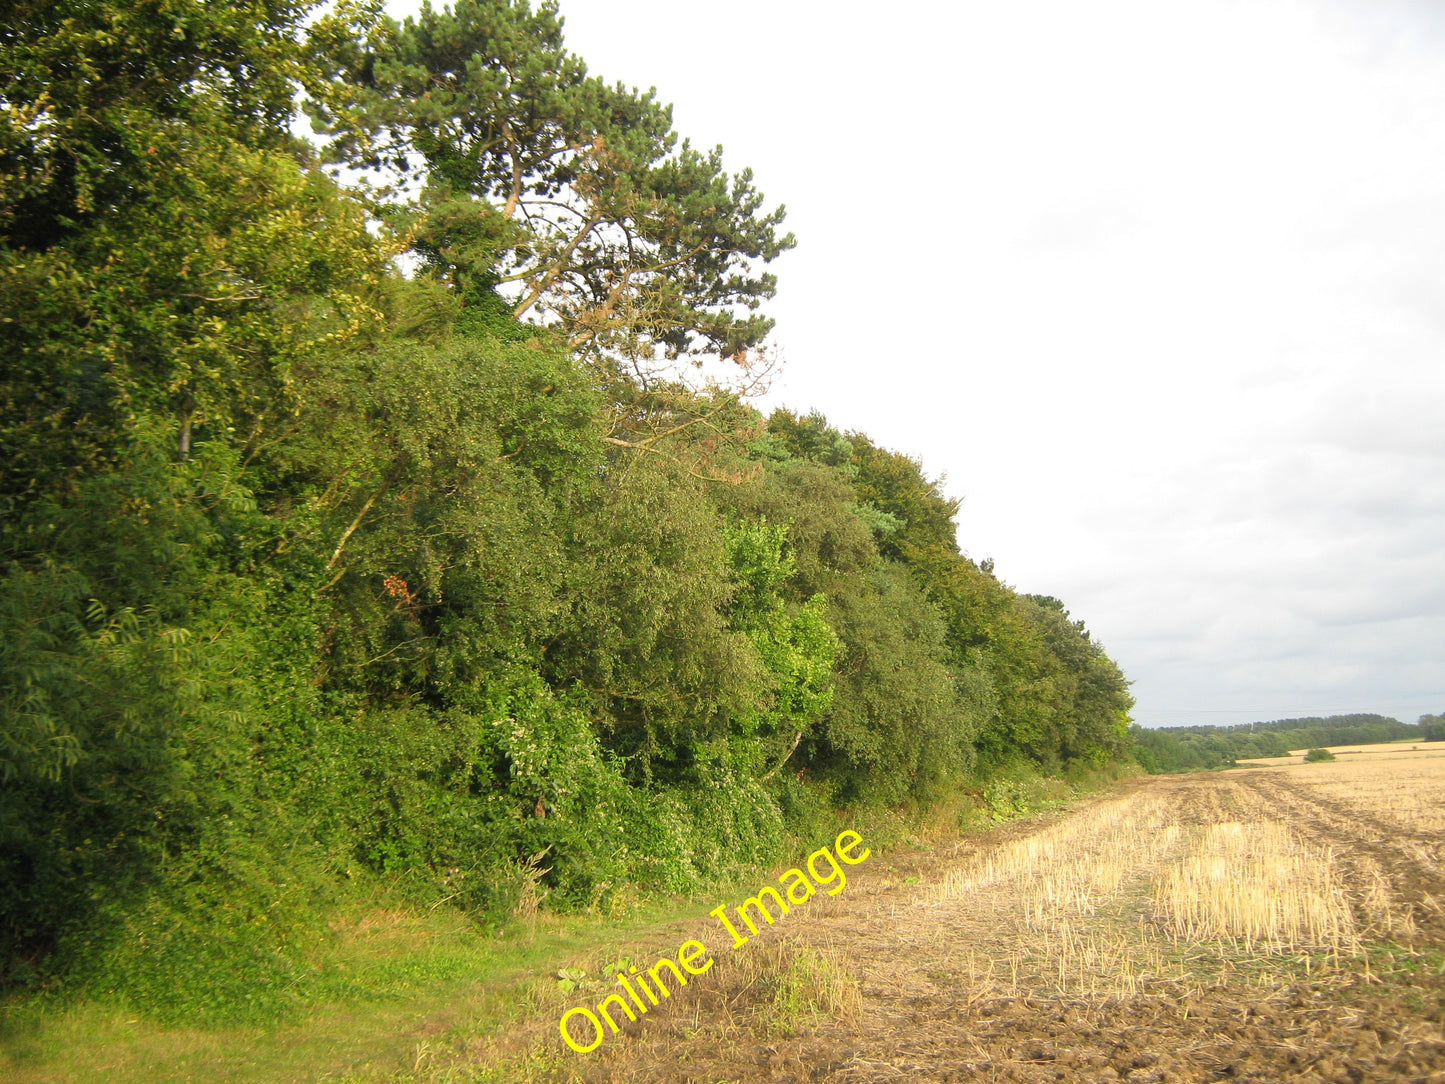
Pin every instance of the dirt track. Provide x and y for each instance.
(934, 978)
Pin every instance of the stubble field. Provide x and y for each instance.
(1279, 924)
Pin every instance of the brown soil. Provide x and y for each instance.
(940, 992)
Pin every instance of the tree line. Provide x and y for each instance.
(1199, 748)
(393, 513)
(1432, 727)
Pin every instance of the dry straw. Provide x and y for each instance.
(1258, 887)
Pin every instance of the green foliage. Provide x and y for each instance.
(320, 582)
(798, 649)
(122, 717)
(1198, 748)
(164, 252)
(898, 729)
(648, 631)
(570, 978)
(1024, 677)
(1018, 790)
(1317, 755)
(572, 195)
(91, 87)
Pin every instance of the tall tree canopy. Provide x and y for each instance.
(572, 198)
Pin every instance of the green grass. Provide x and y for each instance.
(397, 992)
(393, 980)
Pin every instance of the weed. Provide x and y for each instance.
(814, 984)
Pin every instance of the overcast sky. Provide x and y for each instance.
(1159, 286)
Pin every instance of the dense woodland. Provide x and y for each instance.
(1195, 748)
(393, 513)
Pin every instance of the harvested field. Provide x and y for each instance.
(1282, 924)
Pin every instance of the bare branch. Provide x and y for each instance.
(557, 267)
(355, 523)
(791, 749)
(517, 172)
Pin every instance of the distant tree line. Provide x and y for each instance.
(392, 537)
(1199, 748)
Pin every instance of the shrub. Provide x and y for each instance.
(1319, 754)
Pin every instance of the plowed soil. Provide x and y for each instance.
(918, 976)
